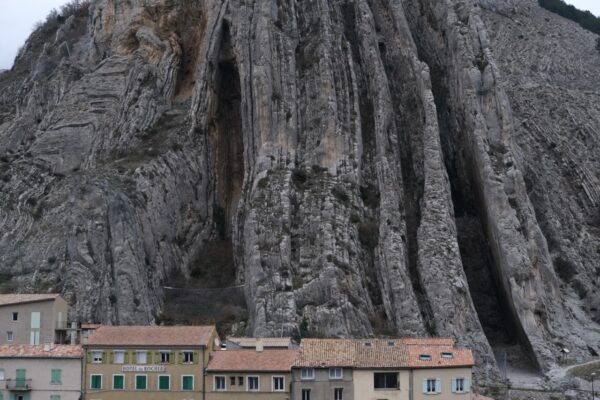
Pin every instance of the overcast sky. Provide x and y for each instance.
(17, 18)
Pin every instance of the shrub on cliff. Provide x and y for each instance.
(586, 19)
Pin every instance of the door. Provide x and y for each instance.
(34, 337)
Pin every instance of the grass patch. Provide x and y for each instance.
(585, 371)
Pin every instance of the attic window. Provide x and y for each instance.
(368, 344)
(425, 357)
(447, 355)
(391, 343)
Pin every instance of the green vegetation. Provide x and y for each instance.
(584, 371)
(586, 19)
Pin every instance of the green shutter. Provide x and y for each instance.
(89, 357)
(181, 357)
(104, 357)
(196, 357)
(173, 357)
(118, 382)
(140, 382)
(126, 358)
(54, 397)
(96, 382)
(55, 377)
(111, 357)
(188, 383)
(164, 382)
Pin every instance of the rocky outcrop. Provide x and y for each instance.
(368, 168)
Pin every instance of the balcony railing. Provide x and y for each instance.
(22, 385)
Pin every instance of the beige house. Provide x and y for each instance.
(382, 369)
(33, 319)
(40, 372)
(260, 374)
(149, 362)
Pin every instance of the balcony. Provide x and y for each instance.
(62, 325)
(18, 385)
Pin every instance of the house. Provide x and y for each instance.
(48, 371)
(149, 362)
(381, 369)
(33, 319)
(260, 374)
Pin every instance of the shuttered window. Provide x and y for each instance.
(55, 378)
(96, 382)
(118, 382)
(164, 382)
(141, 382)
(187, 382)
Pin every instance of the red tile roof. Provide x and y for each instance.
(90, 326)
(9, 299)
(152, 336)
(40, 351)
(381, 353)
(252, 360)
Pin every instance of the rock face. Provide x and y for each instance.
(376, 167)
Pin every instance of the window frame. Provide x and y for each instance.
(248, 380)
(309, 377)
(305, 394)
(435, 385)
(273, 388)
(94, 353)
(55, 397)
(145, 382)
(92, 381)
(115, 352)
(15, 316)
(333, 376)
(10, 336)
(215, 386)
(113, 381)
(335, 393)
(185, 353)
(241, 380)
(137, 357)
(232, 380)
(158, 382)
(385, 373)
(193, 382)
(165, 354)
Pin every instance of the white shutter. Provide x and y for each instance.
(467, 385)
(453, 385)
(424, 385)
(438, 386)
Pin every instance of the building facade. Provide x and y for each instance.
(260, 374)
(33, 319)
(40, 372)
(381, 369)
(149, 362)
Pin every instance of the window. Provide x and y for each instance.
(20, 379)
(338, 394)
(278, 384)
(253, 383)
(336, 373)
(447, 355)
(425, 357)
(386, 381)
(141, 382)
(97, 357)
(241, 380)
(232, 381)
(305, 394)
(119, 357)
(141, 357)
(164, 382)
(1, 376)
(460, 385)
(187, 382)
(307, 373)
(118, 382)
(9, 336)
(432, 386)
(188, 357)
(165, 357)
(15, 316)
(54, 397)
(219, 383)
(55, 377)
(95, 381)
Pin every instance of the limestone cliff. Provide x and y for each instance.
(361, 167)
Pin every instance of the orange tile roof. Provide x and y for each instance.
(40, 351)
(90, 326)
(107, 335)
(380, 353)
(252, 360)
(461, 357)
(9, 299)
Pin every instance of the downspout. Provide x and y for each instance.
(203, 375)
(410, 385)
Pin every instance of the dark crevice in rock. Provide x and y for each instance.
(492, 302)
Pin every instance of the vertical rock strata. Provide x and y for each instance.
(371, 165)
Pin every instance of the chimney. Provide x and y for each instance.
(259, 345)
(73, 333)
(47, 347)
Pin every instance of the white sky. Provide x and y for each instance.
(17, 18)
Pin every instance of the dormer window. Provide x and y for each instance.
(425, 357)
(447, 355)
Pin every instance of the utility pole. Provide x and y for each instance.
(593, 375)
